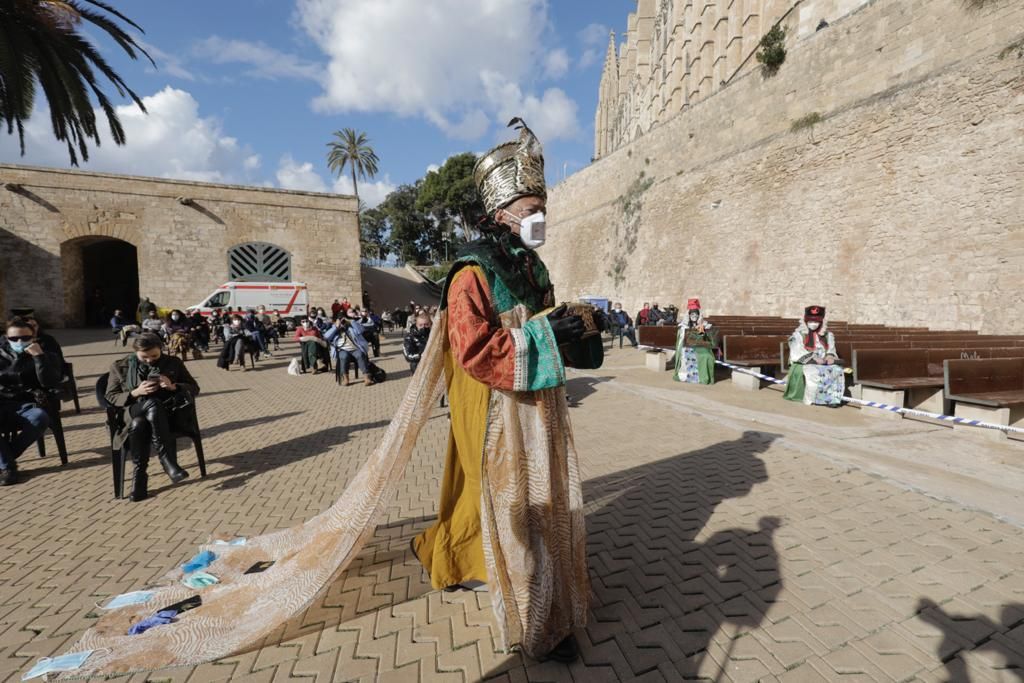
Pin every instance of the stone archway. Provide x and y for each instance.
(99, 274)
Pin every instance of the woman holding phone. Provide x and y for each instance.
(149, 383)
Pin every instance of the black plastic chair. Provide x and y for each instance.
(339, 371)
(69, 388)
(51, 404)
(116, 422)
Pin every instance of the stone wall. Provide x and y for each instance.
(46, 215)
(904, 202)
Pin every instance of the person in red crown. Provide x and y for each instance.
(814, 377)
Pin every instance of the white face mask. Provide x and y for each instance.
(813, 326)
(532, 230)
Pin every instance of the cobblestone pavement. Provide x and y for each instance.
(721, 548)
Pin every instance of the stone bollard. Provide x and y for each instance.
(656, 360)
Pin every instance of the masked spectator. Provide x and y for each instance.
(123, 326)
(152, 323)
(236, 343)
(415, 341)
(311, 342)
(347, 341)
(623, 325)
(150, 385)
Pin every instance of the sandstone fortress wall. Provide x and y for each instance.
(48, 215)
(880, 172)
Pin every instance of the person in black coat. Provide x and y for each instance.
(25, 369)
(415, 341)
(149, 384)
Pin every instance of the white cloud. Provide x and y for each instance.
(173, 141)
(295, 175)
(371, 193)
(556, 64)
(432, 59)
(266, 62)
(594, 35)
(433, 168)
(166, 63)
(252, 162)
(550, 116)
(292, 175)
(594, 38)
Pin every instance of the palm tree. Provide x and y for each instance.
(40, 42)
(352, 149)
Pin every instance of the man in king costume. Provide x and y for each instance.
(511, 510)
(510, 434)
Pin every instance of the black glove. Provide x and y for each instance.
(601, 320)
(567, 328)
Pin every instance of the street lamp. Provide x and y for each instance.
(444, 238)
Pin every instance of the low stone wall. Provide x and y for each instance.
(880, 173)
(47, 215)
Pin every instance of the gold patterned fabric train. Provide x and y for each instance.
(539, 592)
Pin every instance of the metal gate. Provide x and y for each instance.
(259, 262)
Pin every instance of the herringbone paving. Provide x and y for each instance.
(716, 552)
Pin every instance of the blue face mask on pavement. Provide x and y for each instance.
(200, 580)
(68, 662)
(200, 561)
(128, 599)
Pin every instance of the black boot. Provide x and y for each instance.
(172, 469)
(140, 485)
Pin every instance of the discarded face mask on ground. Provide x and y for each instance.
(240, 540)
(129, 599)
(48, 665)
(200, 580)
(200, 561)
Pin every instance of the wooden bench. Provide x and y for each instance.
(660, 339)
(901, 377)
(759, 353)
(988, 389)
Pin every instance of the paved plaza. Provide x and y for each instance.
(732, 536)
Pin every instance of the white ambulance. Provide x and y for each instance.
(286, 299)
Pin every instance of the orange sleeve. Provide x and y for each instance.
(481, 346)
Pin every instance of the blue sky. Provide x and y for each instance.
(250, 92)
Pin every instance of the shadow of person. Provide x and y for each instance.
(659, 590)
(578, 388)
(973, 633)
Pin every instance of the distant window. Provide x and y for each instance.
(259, 262)
(218, 300)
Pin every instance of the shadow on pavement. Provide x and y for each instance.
(978, 634)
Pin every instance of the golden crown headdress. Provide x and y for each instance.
(511, 170)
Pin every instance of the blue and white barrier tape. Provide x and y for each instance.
(886, 406)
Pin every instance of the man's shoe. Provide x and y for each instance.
(567, 651)
(173, 470)
(8, 477)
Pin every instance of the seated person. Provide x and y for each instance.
(387, 321)
(178, 333)
(655, 316)
(641, 315)
(814, 378)
(200, 331)
(25, 369)
(153, 323)
(270, 327)
(347, 341)
(254, 327)
(695, 341)
(48, 342)
(415, 341)
(370, 331)
(236, 344)
(151, 385)
(671, 315)
(311, 342)
(123, 326)
(623, 325)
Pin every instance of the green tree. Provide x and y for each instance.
(374, 240)
(352, 149)
(41, 43)
(414, 235)
(450, 196)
